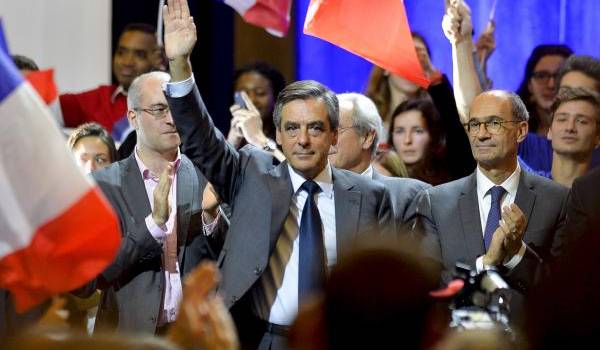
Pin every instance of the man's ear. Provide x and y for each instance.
(132, 117)
(369, 139)
(278, 136)
(523, 130)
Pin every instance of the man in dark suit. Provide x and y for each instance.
(583, 212)
(157, 195)
(501, 216)
(359, 133)
(288, 221)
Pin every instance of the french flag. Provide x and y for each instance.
(57, 231)
(273, 15)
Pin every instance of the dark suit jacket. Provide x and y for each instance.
(132, 285)
(583, 212)
(260, 196)
(403, 192)
(450, 216)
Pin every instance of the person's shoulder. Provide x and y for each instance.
(112, 173)
(540, 183)
(589, 180)
(349, 178)
(404, 183)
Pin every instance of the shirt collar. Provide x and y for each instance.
(120, 90)
(484, 184)
(324, 179)
(368, 173)
(146, 173)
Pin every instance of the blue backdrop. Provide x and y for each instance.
(520, 26)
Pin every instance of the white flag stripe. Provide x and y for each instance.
(53, 184)
(241, 6)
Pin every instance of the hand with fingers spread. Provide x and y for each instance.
(162, 207)
(457, 23)
(203, 322)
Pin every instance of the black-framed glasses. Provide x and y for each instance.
(157, 112)
(544, 76)
(493, 126)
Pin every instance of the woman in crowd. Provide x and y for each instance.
(419, 140)
(388, 90)
(262, 83)
(92, 146)
(538, 87)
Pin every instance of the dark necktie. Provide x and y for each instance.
(311, 264)
(493, 216)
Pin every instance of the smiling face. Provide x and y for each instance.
(495, 150)
(574, 130)
(305, 135)
(155, 132)
(410, 136)
(136, 54)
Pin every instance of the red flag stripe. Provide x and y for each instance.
(53, 261)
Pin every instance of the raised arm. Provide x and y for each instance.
(458, 29)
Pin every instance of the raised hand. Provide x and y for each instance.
(162, 207)
(248, 122)
(457, 23)
(180, 30)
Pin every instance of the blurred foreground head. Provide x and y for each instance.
(377, 296)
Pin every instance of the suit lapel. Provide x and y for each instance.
(525, 195)
(281, 189)
(347, 209)
(187, 191)
(135, 191)
(468, 206)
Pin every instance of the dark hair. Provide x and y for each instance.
(96, 130)
(537, 54)
(568, 94)
(587, 65)
(140, 27)
(304, 90)
(24, 62)
(432, 168)
(270, 73)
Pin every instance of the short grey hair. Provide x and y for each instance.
(304, 90)
(134, 94)
(518, 109)
(364, 116)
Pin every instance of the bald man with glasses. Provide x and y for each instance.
(499, 217)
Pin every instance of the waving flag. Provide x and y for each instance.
(273, 15)
(56, 229)
(378, 31)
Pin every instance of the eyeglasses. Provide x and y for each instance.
(544, 76)
(493, 126)
(157, 112)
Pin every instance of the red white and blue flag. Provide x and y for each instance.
(57, 231)
(273, 15)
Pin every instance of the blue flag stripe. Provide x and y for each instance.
(10, 78)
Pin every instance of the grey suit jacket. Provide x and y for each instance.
(450, 217)
(132, 285)
(403, 194)
(260, 196)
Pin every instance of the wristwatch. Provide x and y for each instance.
(270, 145)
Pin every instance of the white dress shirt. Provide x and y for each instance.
(484, 198)
(276, 299)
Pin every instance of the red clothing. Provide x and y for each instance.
(98, 105)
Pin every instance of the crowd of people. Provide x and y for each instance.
(324, 220)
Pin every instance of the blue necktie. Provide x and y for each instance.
(311, 265)
(493, 216)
